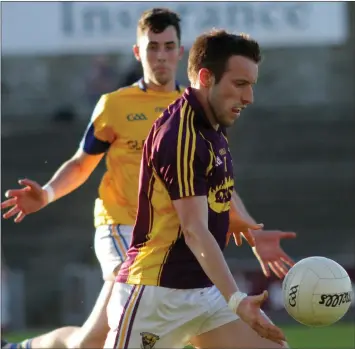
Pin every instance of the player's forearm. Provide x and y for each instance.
(67, 178)
(205, 248)
(238, 208)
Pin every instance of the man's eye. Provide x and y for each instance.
(153, 47)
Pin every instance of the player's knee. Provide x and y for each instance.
(95, 339)
(74, 342)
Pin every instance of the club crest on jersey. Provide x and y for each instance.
(222, 152)
(148, 340)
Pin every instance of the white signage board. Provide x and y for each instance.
(93, 27)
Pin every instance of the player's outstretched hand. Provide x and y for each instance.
(249, 311)
(25, 200)
(240, 228)
(270, 254)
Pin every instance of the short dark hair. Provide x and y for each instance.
(212, 51)
(157, 20)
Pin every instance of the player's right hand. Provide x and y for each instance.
(249, 311)
(24, 201)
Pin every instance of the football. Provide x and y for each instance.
(317, 291)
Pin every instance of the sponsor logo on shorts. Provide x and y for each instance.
(136, 117)
(148, 340)
(334, 300)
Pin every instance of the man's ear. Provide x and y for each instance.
(205, 77)
(136, 54)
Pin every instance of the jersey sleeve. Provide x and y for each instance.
(180, 160)
(99, 134)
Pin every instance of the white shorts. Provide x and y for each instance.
(111, 245)
(150, 316)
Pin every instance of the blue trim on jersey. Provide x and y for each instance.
(91, 145)
(142, 85)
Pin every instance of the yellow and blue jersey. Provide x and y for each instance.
(119, 126)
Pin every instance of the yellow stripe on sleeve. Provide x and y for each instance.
(186, 151)
(192, 157)
(185, 155)
(179, 146)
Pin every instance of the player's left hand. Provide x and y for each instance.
(243, 229)
(269, 252)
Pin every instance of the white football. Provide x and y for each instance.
(317, 291)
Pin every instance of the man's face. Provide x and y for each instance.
(234, 91)
(159, 54)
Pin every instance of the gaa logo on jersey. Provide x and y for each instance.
(136, 117)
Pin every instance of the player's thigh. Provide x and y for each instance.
(149, 316)
(93, 332)
(111, 245)
(235, 334)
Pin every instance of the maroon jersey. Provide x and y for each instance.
(183, 156)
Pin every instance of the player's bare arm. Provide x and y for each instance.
(238, 212)
(74, 172)
(71, 175)
(193, 215)
(238, 206)
(33, 197)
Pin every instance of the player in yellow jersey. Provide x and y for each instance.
(119, 126)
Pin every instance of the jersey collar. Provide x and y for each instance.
(201, 117)
(142, 85)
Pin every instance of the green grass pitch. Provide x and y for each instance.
(340, 336)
